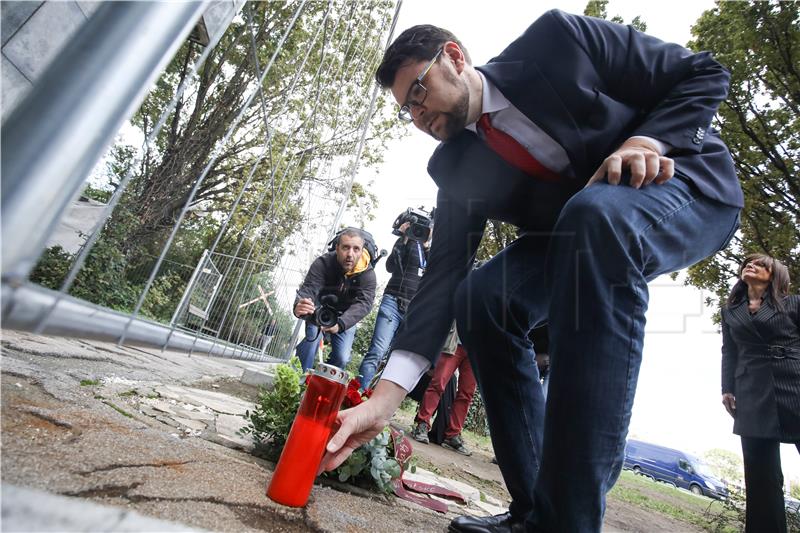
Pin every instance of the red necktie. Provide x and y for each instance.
(513, 152)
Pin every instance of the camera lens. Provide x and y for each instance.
(327, 317)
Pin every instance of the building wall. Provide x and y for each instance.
(32, 35)
(34, 32)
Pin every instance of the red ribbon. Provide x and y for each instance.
(402, 452)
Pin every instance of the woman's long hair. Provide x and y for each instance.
(778, 287)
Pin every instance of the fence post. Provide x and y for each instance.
(189, 287)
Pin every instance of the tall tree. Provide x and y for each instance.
(759, 42)
(309, 116)
(725, 464)
(497, 236)
(311, 109)
(597, 9)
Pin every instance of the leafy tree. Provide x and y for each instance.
(476, 420)
(759, 42)
(314, 97)
(597, 8)
(497, 236)
(725, 464)
(315, 100)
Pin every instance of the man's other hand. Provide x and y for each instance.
(304, 307)
(729, 401)
(362, 423)
(402, 229)
(643, 159)
(333, 330)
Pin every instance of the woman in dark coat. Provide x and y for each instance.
(761, 381)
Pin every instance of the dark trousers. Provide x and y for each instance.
(588, 280)
(763, 479)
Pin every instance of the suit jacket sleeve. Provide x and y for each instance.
(730, 353)
(456, 237)
(678, 91)
(362, 303)
(313, 283)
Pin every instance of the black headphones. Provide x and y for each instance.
(336, 238)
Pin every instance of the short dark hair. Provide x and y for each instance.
(351, 232)
(418, 43)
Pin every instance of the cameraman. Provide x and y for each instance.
(406, 263)
(345, 279)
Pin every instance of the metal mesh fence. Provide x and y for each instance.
(229, 179)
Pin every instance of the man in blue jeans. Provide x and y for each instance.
(595, 140)
(406, 263)
(346, 276)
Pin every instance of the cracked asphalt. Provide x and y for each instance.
(72, 426)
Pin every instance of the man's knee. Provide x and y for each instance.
(593, 213)
(596, 226)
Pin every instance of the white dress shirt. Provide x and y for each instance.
(405, 368)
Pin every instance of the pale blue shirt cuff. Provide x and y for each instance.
(662, 147)
(405, 368)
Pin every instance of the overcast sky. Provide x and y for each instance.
(678, 398)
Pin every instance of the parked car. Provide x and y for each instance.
(673, 466)
(792, 505)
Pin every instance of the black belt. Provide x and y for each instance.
(777, 352)
(783, 352)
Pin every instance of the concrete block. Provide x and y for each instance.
(227, 429)
(45, 33)
(14, 87)
(258, 378)
(216, 401)
(13, 15)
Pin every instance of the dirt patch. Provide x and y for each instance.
(33, 417)
(230, 386)
(150, 470)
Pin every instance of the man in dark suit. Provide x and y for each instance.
(595, 140)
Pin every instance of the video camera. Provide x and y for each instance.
(327, 315)
(420, 224)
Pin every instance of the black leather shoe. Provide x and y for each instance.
(502, 523)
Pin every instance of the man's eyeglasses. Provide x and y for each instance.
(416, 93)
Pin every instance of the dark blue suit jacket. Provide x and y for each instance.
(590, 85)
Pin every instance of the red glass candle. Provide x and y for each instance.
(297, 467)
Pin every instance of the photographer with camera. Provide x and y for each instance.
(406, 263)
(336, 294)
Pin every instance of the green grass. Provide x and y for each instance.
(89, 382)
(132, 392)
(408, 406)
(117, 409)
(429, 466)
(677, 504)
(482, 441)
